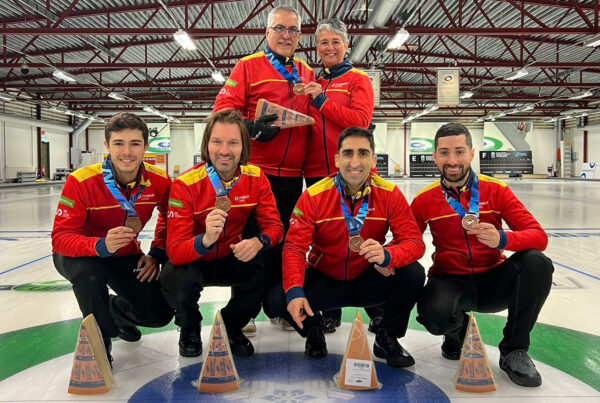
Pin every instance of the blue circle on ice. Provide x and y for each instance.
(291, 377)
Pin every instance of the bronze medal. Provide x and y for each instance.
(469, 221)
(299, 89)
(223, 203)
(355, 242)
(134, 223)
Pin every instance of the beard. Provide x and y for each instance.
(457, 178)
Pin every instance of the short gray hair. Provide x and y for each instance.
(287, 9)
(333, 25)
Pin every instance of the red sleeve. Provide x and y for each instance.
(160, 231)
(361, 105)
(234, 93)
(180, 221)
(266, 213)
(407, 245)
(67, 235)
(417, 212)
(526, 232)
(299, 237)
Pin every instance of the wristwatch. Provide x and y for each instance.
(262, 240)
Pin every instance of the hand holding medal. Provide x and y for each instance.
(215, 222)
(372, 251)
(486, 233)
(118, 237)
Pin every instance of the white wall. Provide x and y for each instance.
(593, 145)
(20, 149)
(543, 147)
(182, 150)
(59, 150)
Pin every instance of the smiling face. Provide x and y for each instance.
(283, 44)
(453, 159)
(355, 159)
(126, 148)
(225, 149)
(331, 48)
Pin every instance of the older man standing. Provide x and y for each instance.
(277, 76)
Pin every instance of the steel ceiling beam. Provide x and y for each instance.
(198, 33)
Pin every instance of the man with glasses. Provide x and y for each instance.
(277, 76)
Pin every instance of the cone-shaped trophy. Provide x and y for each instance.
(218, 374)
(285, 117)
(474, 373)
(358, 369)
(91, 373)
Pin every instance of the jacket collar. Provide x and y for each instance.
(456, 191)
(337, 70)
(286, 61)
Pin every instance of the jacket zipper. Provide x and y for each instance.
(324, 135)
(287, 146)
(467, 242)
(223, 237)
(348, 250)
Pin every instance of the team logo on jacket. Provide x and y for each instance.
(338, 85)
(146, 196)
(242, 198)
(175, 203)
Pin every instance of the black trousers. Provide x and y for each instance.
(182, 285)
(399, 293)
(136, 303)
(521, 284)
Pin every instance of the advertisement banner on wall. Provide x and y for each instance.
(588, 171)
(421, 137)
(448, 88)
(375, 77)
(159, 138)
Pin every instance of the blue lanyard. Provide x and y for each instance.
(216, 182)
(108, 173)
(473, 202)
(354, 224)
(291, 78)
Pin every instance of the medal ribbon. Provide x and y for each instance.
(216, 182)
(473, 202)
(292, 78)
(108, 173)
(354, 224)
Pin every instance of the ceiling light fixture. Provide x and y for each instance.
(184, 40)
(516, 74)
(116, 95)
(580, 95)
(398, 40)
(218, 76)
(593, 41)
(63, 75)
(6, 97)
(466, 95)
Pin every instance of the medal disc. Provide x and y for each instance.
(299, 89)
(469, 221)
(355, 242)
(223, 203)
(134, 223)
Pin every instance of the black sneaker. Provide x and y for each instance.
(190, 343)
(240, 345)
(374, 324)
(108, 348)
(388, 348)
(330, 324)
(315, 346)
(129, 333)
(520, 369)
(453, 342)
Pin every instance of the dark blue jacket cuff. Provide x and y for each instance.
(293, 293)
(319, 100)
(503, 240)
(158, 254)
(268, 244)
(101, 249)
(198, 247)
(386, 259)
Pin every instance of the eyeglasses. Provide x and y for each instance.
(280, 29)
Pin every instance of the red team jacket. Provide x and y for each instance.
(346, 100)
(193, 197)
(87, 210)
(456, 252)
(253, 78)
(318, 223)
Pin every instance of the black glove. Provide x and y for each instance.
(259, 130)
